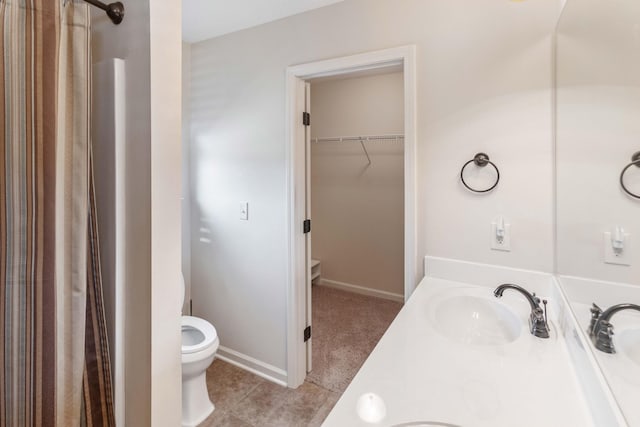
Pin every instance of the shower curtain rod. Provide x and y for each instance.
(115, 11)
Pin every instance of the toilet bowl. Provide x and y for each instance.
(199, 345)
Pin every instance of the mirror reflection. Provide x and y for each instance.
(598, 183)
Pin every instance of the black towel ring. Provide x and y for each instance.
(635, 160)
(481, 160)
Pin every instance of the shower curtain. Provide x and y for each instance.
(54, 363)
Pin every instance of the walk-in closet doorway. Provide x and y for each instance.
(356, 194)
(352, 204)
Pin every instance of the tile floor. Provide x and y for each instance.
(243, 399)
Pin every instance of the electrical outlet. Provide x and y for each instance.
(503, 243)
(618, 257)
(244, 211)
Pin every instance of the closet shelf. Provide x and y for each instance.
(315, 269)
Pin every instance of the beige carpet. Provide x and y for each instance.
(346, 327)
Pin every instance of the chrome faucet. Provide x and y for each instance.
(538, 318)
(601, 329)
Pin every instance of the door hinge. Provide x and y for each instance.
(306, 226)
(306, 118)
(307, 333)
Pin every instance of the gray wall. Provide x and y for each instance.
(149, 42)
(130, 41)
(484, 80)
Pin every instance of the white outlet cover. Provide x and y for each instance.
(505, 245)
(244, 211)
(620, 258)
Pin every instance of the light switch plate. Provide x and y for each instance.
(505, 245)
(621, 258)
(244, 211)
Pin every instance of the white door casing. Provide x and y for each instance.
(298, 156)
(307, 167)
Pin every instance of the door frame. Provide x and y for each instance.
(295, 182)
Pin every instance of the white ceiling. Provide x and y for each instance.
(205, 19)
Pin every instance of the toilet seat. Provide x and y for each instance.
(206, 337)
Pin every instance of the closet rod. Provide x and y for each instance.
(115, 11)
(395, 137)
(361, 140)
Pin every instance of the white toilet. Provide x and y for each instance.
(199, 345)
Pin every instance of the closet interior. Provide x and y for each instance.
(357, 209)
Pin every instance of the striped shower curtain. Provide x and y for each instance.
(54, 365)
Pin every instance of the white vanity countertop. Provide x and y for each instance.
(421, 375)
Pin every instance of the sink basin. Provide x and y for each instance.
(629, 343)
(476, 320)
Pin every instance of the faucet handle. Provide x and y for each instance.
(546, 321)
(596, 312)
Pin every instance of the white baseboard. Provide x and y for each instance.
(360, 290)
(255, 366)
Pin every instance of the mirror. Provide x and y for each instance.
(598, 221)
